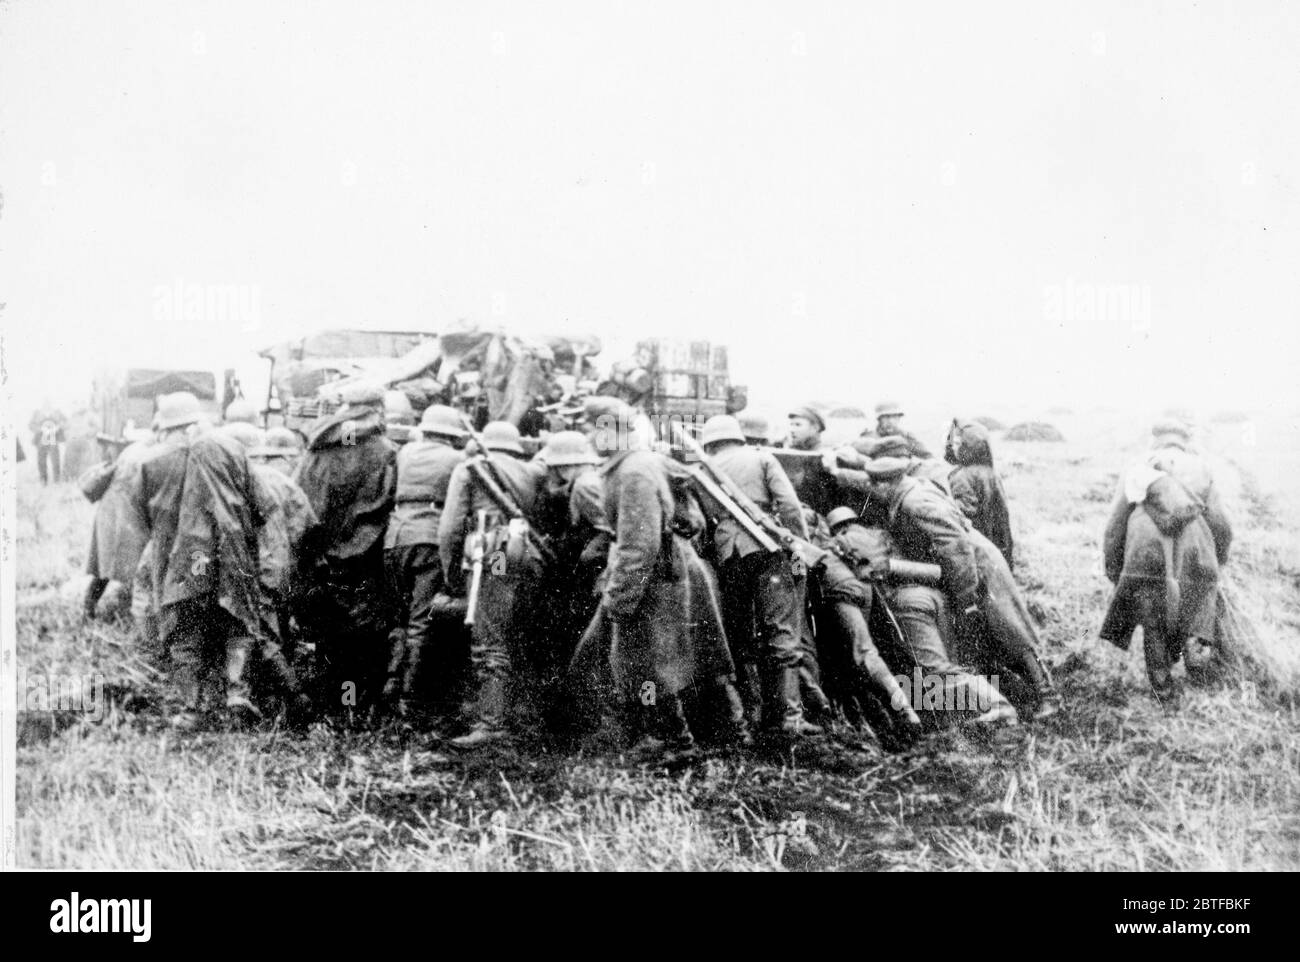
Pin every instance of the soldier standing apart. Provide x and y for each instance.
(510, 567)
(1166, 540)
(48, 438)
(411, 560)
(197, 493)
(349, 474)
(889, 423)
(760, 600)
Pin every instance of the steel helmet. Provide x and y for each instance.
(502, 436)
(177, 410)
(277, 443)
(721, 427)
(839, 516)
(755, 426)
(442, 419)
(397, 408)
(244, 434)
(568, 447)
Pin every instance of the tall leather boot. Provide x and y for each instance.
(286, 680)
(751, 692)
(406, 701)
(894, 696)
(679, 743)
(735, 725)
(186, 688)
(94, 591)
(238, 703)
(1163, 685)
(785, 708)
(489, 727)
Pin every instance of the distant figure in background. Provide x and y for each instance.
(889, 423)
(1166, 539)
(975, 484)
(48, 437)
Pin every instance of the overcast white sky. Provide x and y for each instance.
(902, 199)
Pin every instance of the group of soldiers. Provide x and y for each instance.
(671, 585)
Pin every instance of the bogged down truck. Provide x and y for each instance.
(123, 399)
(535, 382)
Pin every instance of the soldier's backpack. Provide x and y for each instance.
(1171, 505)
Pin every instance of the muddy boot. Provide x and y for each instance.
(893, 695)
(94, 591)
(751, 692)
(785, 708)
(185, 685)
(1001, 714)
(239, 706)
(297, 704)
(679, 743)
(394, 671)
(1159, 664)
(815, 703)
(735, 732)
(489, 726)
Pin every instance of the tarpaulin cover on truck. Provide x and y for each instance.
(149, 383)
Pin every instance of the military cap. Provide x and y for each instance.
(808, 413)
(886, 469)
(839, 516)
(891, 446)
(886, 408)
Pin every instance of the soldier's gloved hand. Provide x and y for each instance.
(830, 461)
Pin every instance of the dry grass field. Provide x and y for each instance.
(1113, 783)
